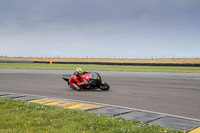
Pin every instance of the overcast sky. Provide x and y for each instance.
(100, 28)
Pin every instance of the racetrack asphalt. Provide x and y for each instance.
(170, 93)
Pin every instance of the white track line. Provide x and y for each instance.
(134, 109)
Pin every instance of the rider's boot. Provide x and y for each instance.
(78, 88)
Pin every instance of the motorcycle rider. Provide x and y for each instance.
(74, 80)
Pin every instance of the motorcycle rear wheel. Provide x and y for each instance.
(104, 87)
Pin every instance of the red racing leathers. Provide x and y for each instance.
(75, 80)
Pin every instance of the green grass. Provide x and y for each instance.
(99, 67)
(24, 117)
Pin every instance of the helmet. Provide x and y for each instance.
(78, 71)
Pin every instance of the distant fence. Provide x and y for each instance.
(105, 63)
(15, 61)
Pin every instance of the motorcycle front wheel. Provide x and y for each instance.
(104, 87)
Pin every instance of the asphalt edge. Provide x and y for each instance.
(126, 111)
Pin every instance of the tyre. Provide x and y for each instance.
(105, 87)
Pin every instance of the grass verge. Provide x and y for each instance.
(21, 116)
(99, 67)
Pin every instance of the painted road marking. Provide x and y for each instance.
(64, 104)
(197, 130)
(45, 100)
(85, 106)
(67, 104)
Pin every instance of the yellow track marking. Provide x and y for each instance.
(85, 106)
(45, 100)
(67, 104)
(197, 130)
(64, 104)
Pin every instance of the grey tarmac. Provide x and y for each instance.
(163, 92)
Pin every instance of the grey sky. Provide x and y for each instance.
(109, 28)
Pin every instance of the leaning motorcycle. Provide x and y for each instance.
(94, 81)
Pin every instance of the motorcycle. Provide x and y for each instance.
(94, 81)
